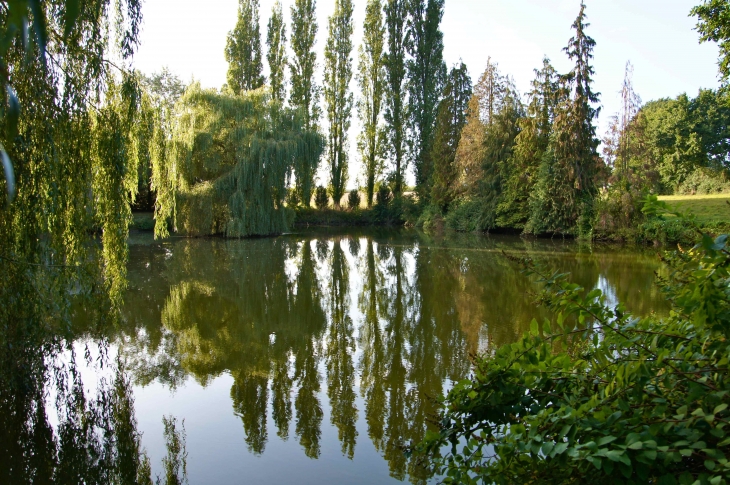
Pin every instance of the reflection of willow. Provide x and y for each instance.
(340, 345)
(248, 318)
(96, 440)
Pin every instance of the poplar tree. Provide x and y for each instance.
(243, 50)
(304, 92)
(339, 99)
(276, 56)
(371, 79)
(426, 74)
(450, 121)
(396, 111)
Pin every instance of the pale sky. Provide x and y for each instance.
(657, 36)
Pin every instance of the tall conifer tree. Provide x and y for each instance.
(396, 112)
(371, 79)
(276, 56)
(450, 121)
(339, 98)
(530, 147)
(563, 197)
(426, 75)
(304, 92)
(243, 50)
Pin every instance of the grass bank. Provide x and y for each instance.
(707, 209)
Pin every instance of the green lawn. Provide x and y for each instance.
(707, 208)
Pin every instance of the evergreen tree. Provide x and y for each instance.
(426, 75)
(276, 57)
(243, 50)
(499, 140)
(470, 152)
(450, 121)
(339, 99)
(530, 147)
(488, 96)
(371, 80)
(304, 92)
(396, 111)
(563, 199)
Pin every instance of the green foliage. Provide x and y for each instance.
(175, 463)
(450, 121)
(337, 95)
(304, 94)
(243, 50)
(529, 148)
(321, 199)
(713, 24)
(353, 199)
(227, 164)
(562, 202)
(384, 196)
(276, 56)
(678, 136)
(371, 80)
(705, 181)
(468, 215)
(396, 110)
(426, 77)
(598, 394)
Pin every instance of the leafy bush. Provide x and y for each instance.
(292, 198)
(384, 196)
(353, 199)
(321, 199)
(704, 181)
(599, 395)
(467, 216)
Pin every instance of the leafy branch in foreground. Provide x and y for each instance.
(599, 394)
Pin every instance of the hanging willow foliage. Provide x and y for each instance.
(227, 165)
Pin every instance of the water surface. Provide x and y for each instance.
(314, 357)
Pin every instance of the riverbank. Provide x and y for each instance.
(711, 214)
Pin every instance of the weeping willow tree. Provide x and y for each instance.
(70, 154)
(228, 163)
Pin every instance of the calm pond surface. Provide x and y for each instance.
(312, 357)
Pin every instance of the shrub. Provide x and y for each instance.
(321, 199)
(384, 196)
(467, 216)
(292, 198)
(353, 199)
(599, 395)
(704, 181)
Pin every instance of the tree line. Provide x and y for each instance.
(482, 157)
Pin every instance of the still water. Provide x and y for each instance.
(314, 357)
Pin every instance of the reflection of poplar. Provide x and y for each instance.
(308, 308)
(340, 368)
(281, 389)
(372, 362)
(397, 334)
(250, 394)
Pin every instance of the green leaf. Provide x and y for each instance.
(70, 16)
(534, 328)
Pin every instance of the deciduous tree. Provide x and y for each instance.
(426, 76)
(339, 99)
(371, 79)
(276, 56)
(243, 50)
(304, 91)
(396, 110)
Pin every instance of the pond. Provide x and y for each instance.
(314, 357)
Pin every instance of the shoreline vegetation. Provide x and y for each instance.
(710, 213)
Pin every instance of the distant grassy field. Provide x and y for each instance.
(707, 208)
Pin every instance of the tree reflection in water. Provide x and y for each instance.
(372, 326)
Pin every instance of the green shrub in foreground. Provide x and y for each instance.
(599, 395)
